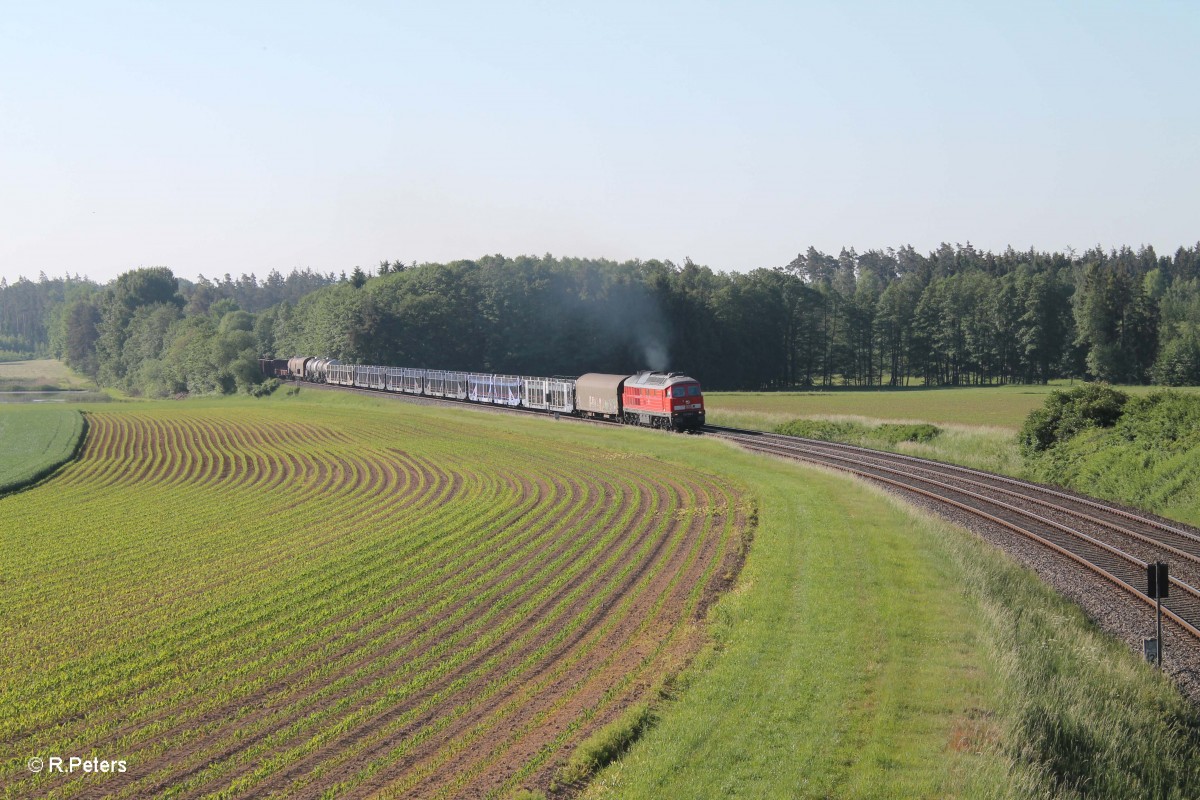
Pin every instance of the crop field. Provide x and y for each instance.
(994, 407)
(34, 440)
(38, 373)
(251, 597)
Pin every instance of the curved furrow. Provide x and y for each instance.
(190, 634)
(596, 670)
(414, 718)
(318, 610)
(225, 667)
(443, 633)
(210, 768)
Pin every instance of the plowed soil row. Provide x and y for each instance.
(327, 603)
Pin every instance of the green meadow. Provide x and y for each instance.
(1149, 465)
(994, 407)
(34, 441)
(977, 424)
(987, 407)
(43, 373)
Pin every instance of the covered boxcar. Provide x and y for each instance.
(273, 367)
(599, 395)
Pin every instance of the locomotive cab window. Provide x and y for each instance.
(679, 391)
(694, 390)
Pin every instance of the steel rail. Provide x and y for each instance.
(934, 468)
(794, 450)
(1027, 485)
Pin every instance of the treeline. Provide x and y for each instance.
(32, 312)
(960, 316)
(147, 331)
(955, 316)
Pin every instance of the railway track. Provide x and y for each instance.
(1113, 543)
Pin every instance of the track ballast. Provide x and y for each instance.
(1110, 543)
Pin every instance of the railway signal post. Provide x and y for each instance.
(1158, 586)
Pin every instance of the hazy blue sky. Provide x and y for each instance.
(217, 137)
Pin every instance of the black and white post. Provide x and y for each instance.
(1158, 586)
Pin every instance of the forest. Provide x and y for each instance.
(884, 318)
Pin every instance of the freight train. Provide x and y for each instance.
(669, 400)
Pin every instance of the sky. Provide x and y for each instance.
(214, 137)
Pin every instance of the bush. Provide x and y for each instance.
(820, 429)
(265, 388)
(888, 434)
(1162, 420)
(1150, 459)
(919, 432)
(1067, 412)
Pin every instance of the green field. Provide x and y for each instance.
(323, 594)
(1156, 474)
(999, 407)
(34, 440)
(39, 374)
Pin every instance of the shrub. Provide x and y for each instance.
(1162, 420)
(265, 388)
(888, 434)
(894, 434)
(1178, 363)
(820, 429)
(1067, 412)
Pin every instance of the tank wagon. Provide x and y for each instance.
(668, 400)
(296, 367)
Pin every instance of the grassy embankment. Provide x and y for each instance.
(1148, 457)
(35, 441)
